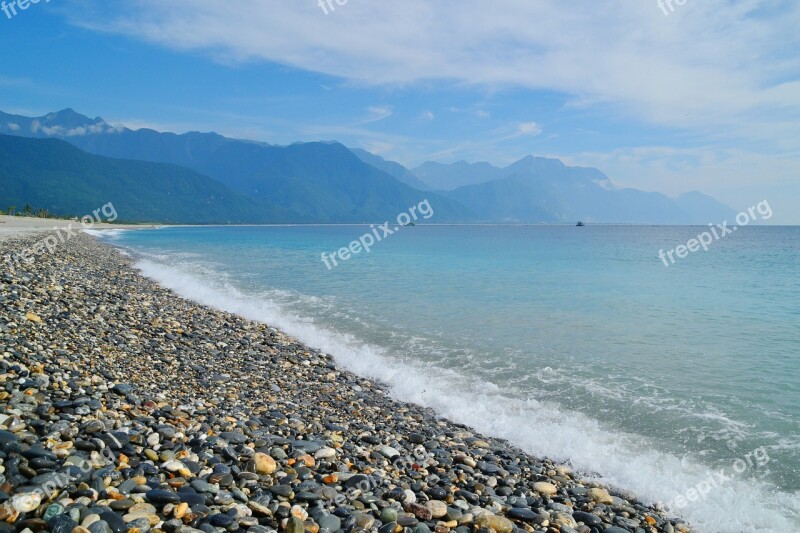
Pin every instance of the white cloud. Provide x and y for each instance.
(496, 143)
(529, 128)
(378, 147)
(479, 113)
(709, 65)
(80, 131)
(378, 113)
(427, 115)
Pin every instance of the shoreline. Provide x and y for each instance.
(247, 426)
(15, 225)
(18, 225)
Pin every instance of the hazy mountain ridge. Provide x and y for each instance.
(538, 189)
(328, 182)
(441, 176)
(315, 182)
(392, 168)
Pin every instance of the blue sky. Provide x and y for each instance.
(706, 97)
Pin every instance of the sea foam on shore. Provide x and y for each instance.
(165, 414)
(628, 460)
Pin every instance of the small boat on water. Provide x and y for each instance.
(580, 224)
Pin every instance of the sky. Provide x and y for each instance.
(660, 96)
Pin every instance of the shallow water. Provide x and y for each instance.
(573, 343)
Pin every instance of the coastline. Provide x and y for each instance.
(18, 225)
(250, 428)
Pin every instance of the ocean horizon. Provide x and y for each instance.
(678, 382)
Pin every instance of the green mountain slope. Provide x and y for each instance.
(53, 174)
(317, 182)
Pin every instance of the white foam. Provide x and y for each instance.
(110, 234)
(545, 430)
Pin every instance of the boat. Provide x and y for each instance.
(580, 224)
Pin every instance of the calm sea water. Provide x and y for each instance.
(573, 343)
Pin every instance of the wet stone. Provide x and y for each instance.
(100, 526)
(147, 412)
(221, 520)
(525, 515)
(158, 496)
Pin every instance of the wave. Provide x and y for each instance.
(109, 234)
(542, 428)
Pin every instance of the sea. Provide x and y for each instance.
(680, 382)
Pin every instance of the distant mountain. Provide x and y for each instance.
(546, 190)
(447, 177)
(390, 167)
(703, 209)
(316, 182)
(66, 123)
(323, 182)
(327, 182)
(52, 174)
(440, 176)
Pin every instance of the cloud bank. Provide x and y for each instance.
(712, 65)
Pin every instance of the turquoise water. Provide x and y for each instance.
(573, 343)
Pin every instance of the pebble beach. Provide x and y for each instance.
(127, 409)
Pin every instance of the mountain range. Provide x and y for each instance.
(208, 178)
(53, 174)
(536, 189)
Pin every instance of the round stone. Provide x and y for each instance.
(389, 514)
(437, 508)
(545, 489)
(264, 463)
(600, 496)
(161, 497)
